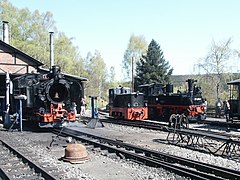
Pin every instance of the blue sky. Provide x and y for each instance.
(184, 29)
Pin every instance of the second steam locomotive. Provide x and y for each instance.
(157, 102)
(163, 102)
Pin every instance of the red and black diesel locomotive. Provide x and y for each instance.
(162, 102)
(126, 105)
(52, 98)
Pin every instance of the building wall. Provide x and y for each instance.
(14, 65)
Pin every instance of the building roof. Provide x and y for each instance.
(234, 82)
(12, 50)
(31, 61)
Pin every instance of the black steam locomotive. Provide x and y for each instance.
(52, 98)
(162, 102)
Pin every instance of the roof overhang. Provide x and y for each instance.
(234, 82)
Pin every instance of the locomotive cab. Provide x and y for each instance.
(116, 91)
(151, 90)
(234, 100)
(130, 100)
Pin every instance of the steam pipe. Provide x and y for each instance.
(51, 50)
(6, 119)
(5, 32)
(7, 92)
(132, 75)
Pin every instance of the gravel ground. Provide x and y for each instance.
(100, 166)
(149, 139)
(104, 166)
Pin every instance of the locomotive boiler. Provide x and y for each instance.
(52, 98)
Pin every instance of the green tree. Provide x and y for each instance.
(79, 68)
(112, 80)
(65, 53)
(97, 75)
(153, 68)
(29, 31)
(215, 69)
(136, 47)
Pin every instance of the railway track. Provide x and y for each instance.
(218, 144)
(142, 124)
(235, 124)
(217, 122)
(17, 161)
(161, 126)
(178, 165)
(164, 126)
(17, 165)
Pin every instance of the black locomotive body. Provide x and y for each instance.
(162, 102)
(52, 98)
(126, 105)
(233, 113)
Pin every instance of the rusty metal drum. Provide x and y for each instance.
(75, 153)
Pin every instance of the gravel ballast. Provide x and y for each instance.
(103, 165)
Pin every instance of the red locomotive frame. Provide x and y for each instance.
(162, 102)
(126, 105)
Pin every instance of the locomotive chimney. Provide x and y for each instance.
(190, 86)
(5, 32)
(51, 50)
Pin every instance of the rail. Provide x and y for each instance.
(227, 145)
(184, 167)
(5, 173)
